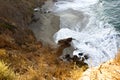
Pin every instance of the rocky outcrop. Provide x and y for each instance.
(44, 26)
(44, 23)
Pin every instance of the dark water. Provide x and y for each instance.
(112, 12)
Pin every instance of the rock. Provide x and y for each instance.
(45, 27)
(64, 47)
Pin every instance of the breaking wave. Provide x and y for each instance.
(92, 25)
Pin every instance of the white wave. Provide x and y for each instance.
(99, 47)
(93, 37)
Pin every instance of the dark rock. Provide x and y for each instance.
(80, 54)
(86, 56)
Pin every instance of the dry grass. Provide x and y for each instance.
(109, 70)
(117, 59)
(42, 64)
(50, 68)
(5, 72)
(2, 52)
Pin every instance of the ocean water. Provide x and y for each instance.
(94, 26)
(111, 11)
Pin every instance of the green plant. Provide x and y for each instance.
(6, 25)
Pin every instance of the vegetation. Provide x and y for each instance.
(40, 65)
(5, 72)
(7, 26)
(43, 64)
(109, 70)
